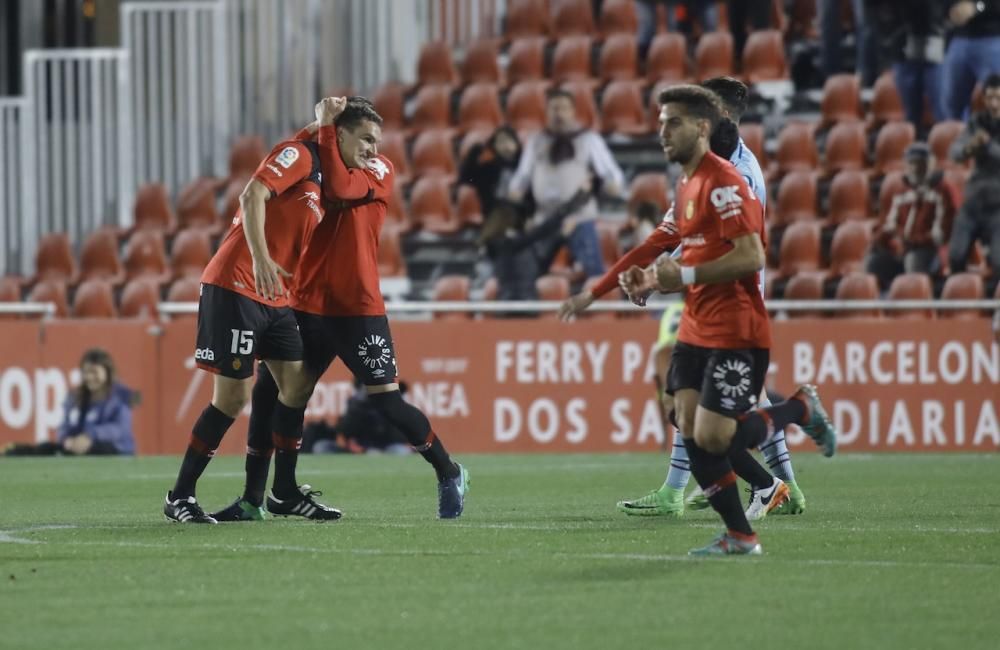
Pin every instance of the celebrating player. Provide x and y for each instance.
(718, 366)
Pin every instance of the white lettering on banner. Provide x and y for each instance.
(506, 420)
(900, 426)
(23, 398)
(987, 426)
(50, 393)
(329, 399)
(441, 399)
(650, 424)
(577, 418)
(597, 354)
(933, 421)
(543, 420)
(546, 362)
(960, 422)
(942, 424)
(902, 362)
(16, 404)
(622, 432)
(844, 411)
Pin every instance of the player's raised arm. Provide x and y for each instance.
(352, 168)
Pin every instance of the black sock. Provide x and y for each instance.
(205, 438)
(753, 428)
(286, 428)
(260, 447)
(417, 429)
(718, 481)
(748, 469)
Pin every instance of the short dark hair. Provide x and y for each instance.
(559, 93)
(699, 102)
(734, 94)
(358, 110)
(992, 81)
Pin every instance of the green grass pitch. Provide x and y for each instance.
(895, 551)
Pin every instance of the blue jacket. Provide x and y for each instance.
(108, 421)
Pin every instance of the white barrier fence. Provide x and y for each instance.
(12, 197)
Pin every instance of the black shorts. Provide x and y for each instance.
(363, 343)
(730, 381)
(233, 330)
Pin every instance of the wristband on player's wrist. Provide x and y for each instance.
(687, 275)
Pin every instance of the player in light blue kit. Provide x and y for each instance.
(784, 495)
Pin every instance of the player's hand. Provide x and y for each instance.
(668, 276)
(329, 108)
(575, 305)
(267, 278)
(638, 299)
(638, 283)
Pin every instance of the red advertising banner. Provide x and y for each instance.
(540, 385)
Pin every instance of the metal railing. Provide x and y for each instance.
(12, 197)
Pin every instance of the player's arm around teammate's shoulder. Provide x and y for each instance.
(348, 150)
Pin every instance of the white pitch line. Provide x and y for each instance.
(640, 557)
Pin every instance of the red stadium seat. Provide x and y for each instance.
(845, 147)
(619, 58)
(848, 197)
(434, 65)
(94, 299)
(571, 60)
(479, 108)
(886, 105)
(890, 146)
(397, 216)
(963, 286)
(841, 100)
(140, 299)
(618, 17)
(451, 288)
(190, 253)
(430, 205)
(796, 149)
(471, 138)
(527, 60)
(196, 205)
(753, 137)
(957, 177)
(526, 18)
(10, 289)
(552, 287)
(713, 56)
(892, 184)
(911, 286)
(145, 257)
(389, 101)
(649, 187)
(152, 209)
(393, 147)
(432, 154)
(54, 259)
(390, 255)
(480, 64)
(858, 286)
(667, 58)
(245, 155)
(470, 212)
(621, 109)
(764, 56)
(586, 108)
(490, 289)
(431, 108)
(99, 257)
(184, 290)
(526, 107)
(849, 249)
(231, 201)
(571, 18)
(52, 291)
(942, 135)
(799, 249)
(796, 198)
(807, 285)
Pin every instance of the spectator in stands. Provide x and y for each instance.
(918, 223)
(488, 167)
(755, 13)
(973, 52)
(866, 52)
(560, 161)
(979, 216)
(913, 39)
(520, 254)
(680, 14)
(641, 224)
(98, 415)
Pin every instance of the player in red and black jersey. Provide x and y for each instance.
(337, 299)
(718, 366)
(243, 315)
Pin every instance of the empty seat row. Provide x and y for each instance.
(96, 298)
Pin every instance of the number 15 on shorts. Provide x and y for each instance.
(242, 342)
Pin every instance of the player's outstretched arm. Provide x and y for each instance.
(266, 272)
(745, 258)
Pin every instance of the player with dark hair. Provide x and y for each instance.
(337, 300)
(718, 366)
(243, 315)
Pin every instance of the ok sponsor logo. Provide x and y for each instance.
(727, 201)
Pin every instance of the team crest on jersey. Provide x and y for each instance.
(287, 157)
(378, 168)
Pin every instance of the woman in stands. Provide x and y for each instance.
(98, 415)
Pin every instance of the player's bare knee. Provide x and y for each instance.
(230, 398)
(710, 440)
